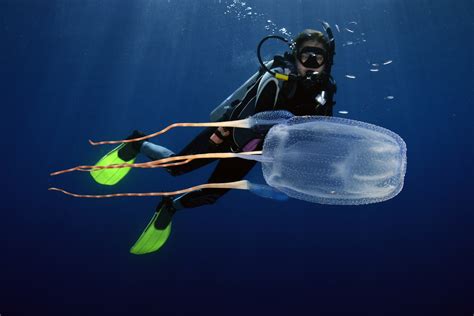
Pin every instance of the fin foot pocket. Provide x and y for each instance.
(157, 231)
(111, 176)
(124, 153)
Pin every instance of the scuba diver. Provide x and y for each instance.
(299, 82)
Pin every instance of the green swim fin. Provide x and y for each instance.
(124, 153)
(157, 231)
(111, 176)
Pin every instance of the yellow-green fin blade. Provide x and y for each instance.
(111, 176)
(151, 239)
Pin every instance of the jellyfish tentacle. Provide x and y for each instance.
(245, 123)
(240, 185)
(161, 163)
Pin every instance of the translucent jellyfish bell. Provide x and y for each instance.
(332, 160)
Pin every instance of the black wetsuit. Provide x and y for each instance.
(266, 94)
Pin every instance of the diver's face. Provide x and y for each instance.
(302, 70)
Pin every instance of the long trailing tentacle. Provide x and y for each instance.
(126, 166)
(145, 165)
(161, 163)
(242, 185)
(245, 123)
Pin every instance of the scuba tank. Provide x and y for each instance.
(223, 111)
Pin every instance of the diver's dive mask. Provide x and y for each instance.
(312, 57)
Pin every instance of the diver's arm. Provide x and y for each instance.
(267, 93)
(326, 108)
(324, 101)
(331, 90)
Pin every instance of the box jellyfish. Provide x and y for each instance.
(324, 160)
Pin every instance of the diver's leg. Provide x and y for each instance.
(155, 152)
(199, 145)
(227, 170)
(158, 229)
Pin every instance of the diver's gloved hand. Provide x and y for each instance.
(131, 150)
(219, 135)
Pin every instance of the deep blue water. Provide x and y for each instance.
(75, 70)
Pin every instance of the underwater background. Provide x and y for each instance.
(77, 70)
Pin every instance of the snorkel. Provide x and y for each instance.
(310, 57)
